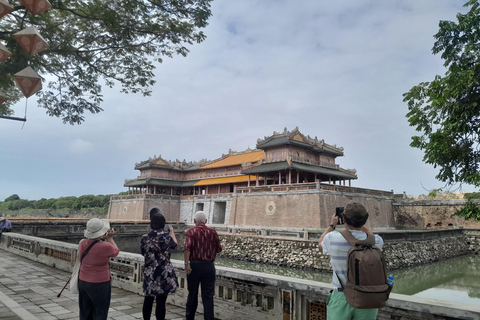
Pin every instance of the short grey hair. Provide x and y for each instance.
(200, 217)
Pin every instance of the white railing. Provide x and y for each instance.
(239, 294)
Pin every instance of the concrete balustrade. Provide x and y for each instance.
(239, 294)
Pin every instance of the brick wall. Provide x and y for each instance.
(138, 207)
(308, 209)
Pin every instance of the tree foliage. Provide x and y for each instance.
(446, 111)
(72, 202)
(469, 211)
(12, 197)
(94, 40)
(472, 195)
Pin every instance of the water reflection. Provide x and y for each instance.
(450, 280)
(446, 280)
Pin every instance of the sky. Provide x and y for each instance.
(337, 70)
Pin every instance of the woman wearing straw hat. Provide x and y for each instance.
(94, 278)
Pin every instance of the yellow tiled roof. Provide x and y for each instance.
(225, 180)
(249, 157)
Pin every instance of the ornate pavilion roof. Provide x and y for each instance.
(159, 162)
(284, 165)
(295, 137)
(234, 158)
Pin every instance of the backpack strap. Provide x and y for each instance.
(370, 240)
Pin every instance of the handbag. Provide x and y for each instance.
(76, 270)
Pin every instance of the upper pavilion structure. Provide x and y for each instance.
(282, 158)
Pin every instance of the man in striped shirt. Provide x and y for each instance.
(333, 243)
(201, 247)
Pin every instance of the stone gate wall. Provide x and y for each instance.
(138, 207)
(305, 209)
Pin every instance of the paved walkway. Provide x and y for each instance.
(28, 291)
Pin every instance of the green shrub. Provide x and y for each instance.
(470, 211)
(472, 195)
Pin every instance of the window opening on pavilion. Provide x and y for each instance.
(199, 207)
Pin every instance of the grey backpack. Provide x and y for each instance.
(366, 286)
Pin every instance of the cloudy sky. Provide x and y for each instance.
(335, 69)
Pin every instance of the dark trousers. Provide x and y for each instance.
(94, 300)
(203, 273)
(159, 309)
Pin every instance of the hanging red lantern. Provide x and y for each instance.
(4, 53)
(5, 8)
(28, 81)
(36, 6)
(3, 97)
(31, 40)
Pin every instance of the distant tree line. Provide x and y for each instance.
(14, 202)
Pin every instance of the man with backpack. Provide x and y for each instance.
(359, 268)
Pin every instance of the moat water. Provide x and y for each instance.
(456, 280)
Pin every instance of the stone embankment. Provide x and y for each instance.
(410, 254)
(473, 242)
(304, 254)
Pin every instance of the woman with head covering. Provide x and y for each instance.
(5, 225)
(159, 278)
(94, 283)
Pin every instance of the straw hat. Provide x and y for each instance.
(96, 228)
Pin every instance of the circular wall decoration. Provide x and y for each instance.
(270, 208)
(124, 209)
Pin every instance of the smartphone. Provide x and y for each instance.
(339, 214)
(166, 228)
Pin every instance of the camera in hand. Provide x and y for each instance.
(339, 214)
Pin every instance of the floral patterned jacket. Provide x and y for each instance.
(158, 274)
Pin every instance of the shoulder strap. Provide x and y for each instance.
(370, 240)
(155, 244)
(88, 249)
